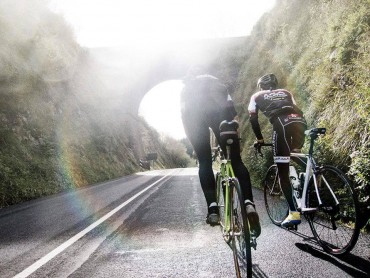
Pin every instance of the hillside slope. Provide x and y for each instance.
(59, 128)
(320, 51)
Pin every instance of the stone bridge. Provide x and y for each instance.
(129, 73)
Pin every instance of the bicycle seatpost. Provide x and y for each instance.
(228, 151)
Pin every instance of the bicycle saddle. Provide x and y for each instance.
(228, 131)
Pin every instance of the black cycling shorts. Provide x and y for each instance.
(288, 134)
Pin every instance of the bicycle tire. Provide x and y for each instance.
(241, 242)
(276, 205)
(335, 227)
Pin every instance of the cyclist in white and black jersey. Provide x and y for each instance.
(288, 124)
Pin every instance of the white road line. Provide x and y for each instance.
(32, 268)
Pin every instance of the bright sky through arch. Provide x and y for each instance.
(112, 23)
(160, 108)
(115, 22)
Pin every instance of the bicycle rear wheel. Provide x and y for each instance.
(241, 243)
(335, 224)
(275, 202)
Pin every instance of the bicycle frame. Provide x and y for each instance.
(234, 222)
(301, 202)
(325, 196)
(311, 169)
(227, 172)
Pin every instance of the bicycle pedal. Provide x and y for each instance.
(291, 227)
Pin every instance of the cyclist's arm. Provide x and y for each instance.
(253, 118)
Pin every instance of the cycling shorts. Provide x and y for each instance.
(288, 134)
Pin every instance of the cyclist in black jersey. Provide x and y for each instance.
(288, 125)
(205, 103)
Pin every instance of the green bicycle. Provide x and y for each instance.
(233, 217)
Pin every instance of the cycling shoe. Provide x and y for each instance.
(253, 218)
(293, 219)
(213, 216)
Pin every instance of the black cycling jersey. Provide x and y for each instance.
(273, 103)
(206, 93)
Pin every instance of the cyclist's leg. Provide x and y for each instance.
(296, 131)
(241, 172)
(198, 134)
(281, 142)
(281, 148)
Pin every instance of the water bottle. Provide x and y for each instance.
(293, 176)
(301, 177)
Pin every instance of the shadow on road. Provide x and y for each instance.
(352, 264)
(257, 271)
(355, 266)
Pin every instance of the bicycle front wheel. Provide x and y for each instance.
(240, 233)
(335, 223)
(276, 205)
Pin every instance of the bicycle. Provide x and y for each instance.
(233, 216)
(323, 194)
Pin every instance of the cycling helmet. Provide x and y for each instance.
(268, 81)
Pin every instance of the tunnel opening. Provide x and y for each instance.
(160, 108)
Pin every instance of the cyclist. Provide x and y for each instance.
(288, 125)
(205, 103)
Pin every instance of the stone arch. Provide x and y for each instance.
(130, 72)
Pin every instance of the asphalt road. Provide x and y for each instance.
(151, 224)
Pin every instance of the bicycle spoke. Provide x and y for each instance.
(275, 202)
(240, 234)
(335, 223)
(221, 199)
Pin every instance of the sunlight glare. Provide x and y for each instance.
(120, 22)
(160, 108)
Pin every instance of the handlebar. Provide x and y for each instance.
(314, 133)
(258, 146)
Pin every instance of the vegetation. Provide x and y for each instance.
(57, 129)
(320, 51)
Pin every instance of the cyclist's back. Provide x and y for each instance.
(206, 96)
(274, 103)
